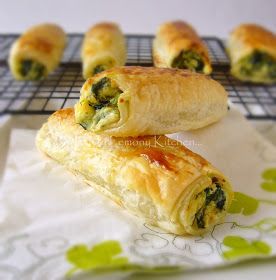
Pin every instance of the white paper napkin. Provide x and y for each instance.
(46, 213)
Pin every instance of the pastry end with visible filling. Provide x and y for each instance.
(257, 66)
(98, 69)
(100, 66)
(31, 70)
(207, 207)
(190, 60)
(100, 108)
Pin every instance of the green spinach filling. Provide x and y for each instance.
(98, 69)
(259, 64)
(103, 104)
(189, 60)
(212, 195)
(32, 70)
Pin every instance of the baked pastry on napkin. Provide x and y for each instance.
(154, 177)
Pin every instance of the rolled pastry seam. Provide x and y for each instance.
(133, 101)
(154, 177)
(103, 48)
(37, 52)
(252, 52)
(177, 45)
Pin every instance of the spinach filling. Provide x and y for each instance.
(103, 103)
(259, 64)
(98, 69)
(32, 70)
(105, 93)
(215, 195)
(189, 60)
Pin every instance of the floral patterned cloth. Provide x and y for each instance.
(53, 226)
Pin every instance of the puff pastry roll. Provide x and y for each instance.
(154, 177)
(252, 51)
(177, 45)
(37, 52)
(103, 48)
(132, 101)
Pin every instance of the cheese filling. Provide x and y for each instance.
(31, 70)
(188, 60)
(258, 65)
(100, 108)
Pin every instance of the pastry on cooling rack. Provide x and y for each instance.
(177, 45)
(37, 52)
(103, 48)
(154, 177)
(133, 101)
(252, 51)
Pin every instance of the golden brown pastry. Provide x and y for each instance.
(252, 51)
(103, 48)
(132, 101)
(154, 177)
(37, 52)
(177, 45)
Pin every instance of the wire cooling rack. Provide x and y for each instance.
(61, 88)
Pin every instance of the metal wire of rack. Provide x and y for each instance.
(61, 88)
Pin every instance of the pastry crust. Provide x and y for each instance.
(154, 177)
(42, 43)
(174, 37)
(104, 44)
(159, 101)
(243, 41)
